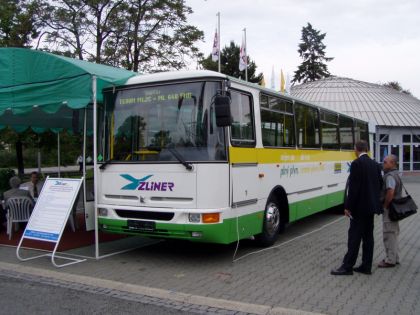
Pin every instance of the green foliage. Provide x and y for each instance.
(46, 143)
(19, 22)
(139, 35)
(229, 64)
(396, 86)
(5, 175)
(312, 51)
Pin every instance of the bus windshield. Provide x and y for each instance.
(174, 122)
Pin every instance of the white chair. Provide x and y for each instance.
(18, 210)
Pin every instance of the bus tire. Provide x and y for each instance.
(271, 224)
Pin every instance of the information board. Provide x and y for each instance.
(52, 209)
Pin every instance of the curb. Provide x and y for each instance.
(156, 293)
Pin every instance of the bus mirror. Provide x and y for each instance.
(222, 109)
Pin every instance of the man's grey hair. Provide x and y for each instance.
(393, 158)
(14, 182)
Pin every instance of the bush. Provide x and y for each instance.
(5, 175)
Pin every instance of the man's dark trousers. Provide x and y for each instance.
(361, 230)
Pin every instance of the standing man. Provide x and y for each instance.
(34, 185)
(361, 203)
(80, 162)
(392, 188)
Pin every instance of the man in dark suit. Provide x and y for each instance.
(362, 202)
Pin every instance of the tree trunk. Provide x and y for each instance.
(19, 157)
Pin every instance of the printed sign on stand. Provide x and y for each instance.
(50, 215)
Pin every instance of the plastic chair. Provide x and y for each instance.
(18, 210)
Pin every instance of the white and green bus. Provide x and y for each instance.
(201, 156)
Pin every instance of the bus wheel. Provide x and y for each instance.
(271, 224)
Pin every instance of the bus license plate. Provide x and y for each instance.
(144, 226)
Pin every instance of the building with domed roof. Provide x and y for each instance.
(393, 116)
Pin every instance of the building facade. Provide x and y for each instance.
(394, 116)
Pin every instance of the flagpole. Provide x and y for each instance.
(246, 56)
(218, 42)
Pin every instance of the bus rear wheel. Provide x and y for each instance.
(271, 224)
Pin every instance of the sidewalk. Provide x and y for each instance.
(292, 277)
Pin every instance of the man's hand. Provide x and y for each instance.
(347, 213)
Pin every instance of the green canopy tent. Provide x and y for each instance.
(33, 78)
(42, 90)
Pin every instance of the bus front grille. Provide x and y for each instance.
(148, 215)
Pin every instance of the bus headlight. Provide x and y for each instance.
(194, 217)
(103, 212)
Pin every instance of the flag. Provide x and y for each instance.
(262, 82)
(273, 79)
(215, 52)
(243, 59)
(288, 84)
(282, 81)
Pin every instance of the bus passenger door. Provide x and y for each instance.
(243, 163)
(244, 174)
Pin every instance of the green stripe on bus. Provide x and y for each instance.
(228, 231)
(304, 208)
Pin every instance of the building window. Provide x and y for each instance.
(383, 138)
(416, 157)
(406, 157)
(416, 138)
(406, 138)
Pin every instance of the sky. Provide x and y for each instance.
(375, 41)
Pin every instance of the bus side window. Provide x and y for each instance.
(277, 125)
(346, 133)
(307, 126)
(329, 130)
(361, 131)
(242, 128)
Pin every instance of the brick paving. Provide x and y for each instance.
(294, 274)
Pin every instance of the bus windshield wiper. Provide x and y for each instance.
(105, 164)
(171, 148)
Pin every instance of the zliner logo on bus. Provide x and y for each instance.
(143, 184)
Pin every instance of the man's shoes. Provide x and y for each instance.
(342, 272)
(362, 269)
(384, 264)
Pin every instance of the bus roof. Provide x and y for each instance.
(174, 75)
(197, 74)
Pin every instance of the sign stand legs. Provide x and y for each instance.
(52, 255)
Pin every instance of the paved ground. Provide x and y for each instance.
(40, 298)
(292, 275)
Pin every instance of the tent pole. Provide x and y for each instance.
(95, 162)
(39, 156)
(58, 153)
(84, 161)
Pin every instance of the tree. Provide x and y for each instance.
(396, 86)
(229, 64)
(139, 35)
(154, 36)
(312, 51)
(19, 22)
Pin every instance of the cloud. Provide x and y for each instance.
(371, 40)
